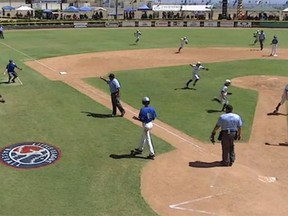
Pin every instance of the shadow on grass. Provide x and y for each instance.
(202, 164)
(213, 111)
(98, 115)
(185, 88)
(275, 144)
(127, 156)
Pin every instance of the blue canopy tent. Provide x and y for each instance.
(129, 9)
(85, 9)
(47, 11)
(143, 8)
(71, 9)
(8, 8)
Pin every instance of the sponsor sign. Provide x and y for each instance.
(159, 23)
(29, 155)
(128, 24)
(193, 24)
(112, 24)
(227, 24)
(244, 24)
(210, 24)
(144, 24)
(80, 25)
(177, 23)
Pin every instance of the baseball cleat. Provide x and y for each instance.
(152, 157)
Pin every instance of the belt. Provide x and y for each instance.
(229, 131)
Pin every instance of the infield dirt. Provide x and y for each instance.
(189, 180)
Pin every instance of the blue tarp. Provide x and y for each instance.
(129, 9)
(6, 8)
(71, 9)
(143, 7)
(85, 8)
(47, 11)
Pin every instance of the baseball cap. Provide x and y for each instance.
(227, 81)
(229, 108)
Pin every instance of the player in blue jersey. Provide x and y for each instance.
(10, 69)
(146, 115)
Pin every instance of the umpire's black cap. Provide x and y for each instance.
(228, 108)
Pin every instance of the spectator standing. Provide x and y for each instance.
(114, 86)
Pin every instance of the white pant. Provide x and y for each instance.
(146, 138)
(274, 49)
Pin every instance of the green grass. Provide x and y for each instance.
(86, 180)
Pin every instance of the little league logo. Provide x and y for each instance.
(29, 155)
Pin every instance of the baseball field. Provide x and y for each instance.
(64, 104)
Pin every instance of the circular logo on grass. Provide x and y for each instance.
(29, 155)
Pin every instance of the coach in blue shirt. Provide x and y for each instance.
(230, 124)
(10, 68)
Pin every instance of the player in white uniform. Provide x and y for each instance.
(223, 97)
(274, 44)
(137, 34)
(183, 41)
(195, 73)
(283, 98)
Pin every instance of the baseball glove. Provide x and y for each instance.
(207, 69)
(229, 93)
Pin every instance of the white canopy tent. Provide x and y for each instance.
(177, 8)
(24, 8)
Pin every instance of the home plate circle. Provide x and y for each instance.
(267, 179)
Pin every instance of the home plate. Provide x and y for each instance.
(62, 72)
(267, 179)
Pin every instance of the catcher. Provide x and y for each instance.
(195, 73)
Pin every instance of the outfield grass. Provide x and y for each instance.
(86, 181)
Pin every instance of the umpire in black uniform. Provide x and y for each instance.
(230, 124)
(262, 37)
